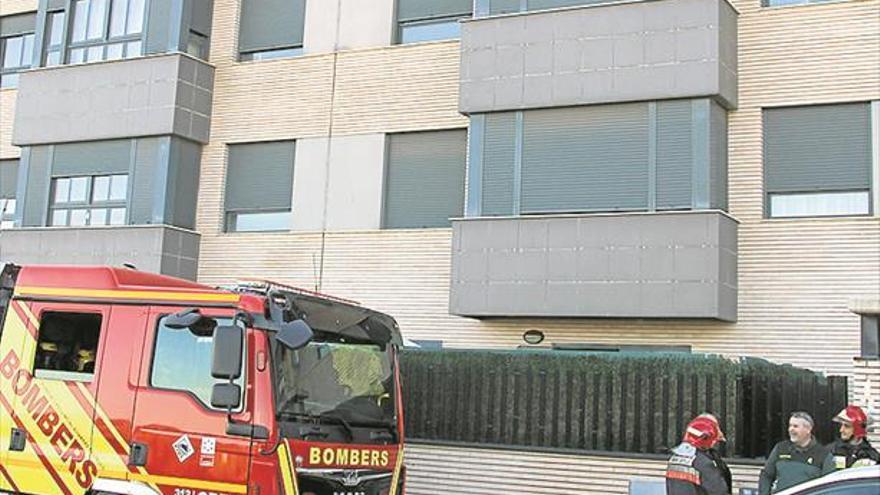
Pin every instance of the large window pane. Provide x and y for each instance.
(59, 218)
(98, 216)
(78, 218)
(444, 30)
(95, 53)
(12, 52)
(256, 222)
(117, 17)
(820, 204)
(133, 49)
(80, 20)
(117, 216)
(78, 188)
(118, 187)
(62, 190)
(115, 51)
(97, 13)
(56, 28)
(101, 189)
(77, 55)
(27, 52)
(135, 23)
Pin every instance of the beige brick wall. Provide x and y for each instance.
(7, 117)
(9, 7)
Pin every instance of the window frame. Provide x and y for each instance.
(24, 63)
(89, 203)
(82, 377)
(126, 41)
(59, 48)
(230, 219)
(242, 380)
(7, 217)
(427, 21)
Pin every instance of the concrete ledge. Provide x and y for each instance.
(145, 96)
(151, 248)
(650, 265)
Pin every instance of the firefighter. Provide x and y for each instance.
(852, 449)
(796, 460)
(695, 468)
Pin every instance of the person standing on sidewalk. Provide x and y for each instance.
(796, 460)
(695, 468)
(852, 449)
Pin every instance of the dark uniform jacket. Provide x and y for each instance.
(789, 465)
(692, 471)
(848, 455)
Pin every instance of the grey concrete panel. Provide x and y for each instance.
(651, 265)
(647, 51)
(158, 249)
(149, 96)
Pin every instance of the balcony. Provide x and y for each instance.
(147, 96)
(605, 53)
(639, 265)
(153, 248)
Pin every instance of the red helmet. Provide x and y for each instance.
(703, 432)
(856, 417)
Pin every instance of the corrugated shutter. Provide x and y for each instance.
(56, 5)
(13, 25)
(426, 9)
(553, 4)
(259, 176)
(36, 201)
(183, 183)
(503, 6)
(424, 182)
(146, 160)
(8, 178)
(585, 159)
(95, 158)
(817, 148)
(202, 11)
(159, 27)
(270, 24)
(674, 155)
(499, 151)
(718, 147)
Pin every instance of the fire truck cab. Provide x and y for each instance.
(115, 381)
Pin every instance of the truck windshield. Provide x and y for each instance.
(353, 383)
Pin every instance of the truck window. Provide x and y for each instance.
(182, 361)
(67, 346)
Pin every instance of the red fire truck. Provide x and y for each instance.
(115, 381)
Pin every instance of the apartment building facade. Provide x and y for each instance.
(687, 174)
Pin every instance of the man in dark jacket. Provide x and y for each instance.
(695, 468)
(796, 460)
(852, 449)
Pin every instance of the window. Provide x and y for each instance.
(497, 7)
(259, 186)
(95, 35)
(424, 179)
(182, 360)
(817, 160)
(198, 45)
(67, 346)
(781, 3)
(16, 53)
(8, 185)
(645, 156)
(54, 38)
(271, 29)
(420, 20)
(89, 200)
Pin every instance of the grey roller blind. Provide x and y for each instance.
(424, 182)
(8, 178)
(817, 148)
(718, 156)
(585, 159)
(94, 158)
(503, 6)
(553, 4)
(143, 181)
(270, 24)
(13, 25)
(202, 11)
(56, 5)
(499, 152)
(259, 176)
(674, 155)
(36, 200)
(426, 9)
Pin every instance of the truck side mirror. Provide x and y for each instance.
(226, 396)
(295, 334)
(228, 345)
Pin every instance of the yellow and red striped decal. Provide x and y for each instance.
(285, 464)
(397, 469)
(139, 295)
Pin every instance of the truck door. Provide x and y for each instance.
(48, 381)
(179, 439)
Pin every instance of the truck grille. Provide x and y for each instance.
(344, 482)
